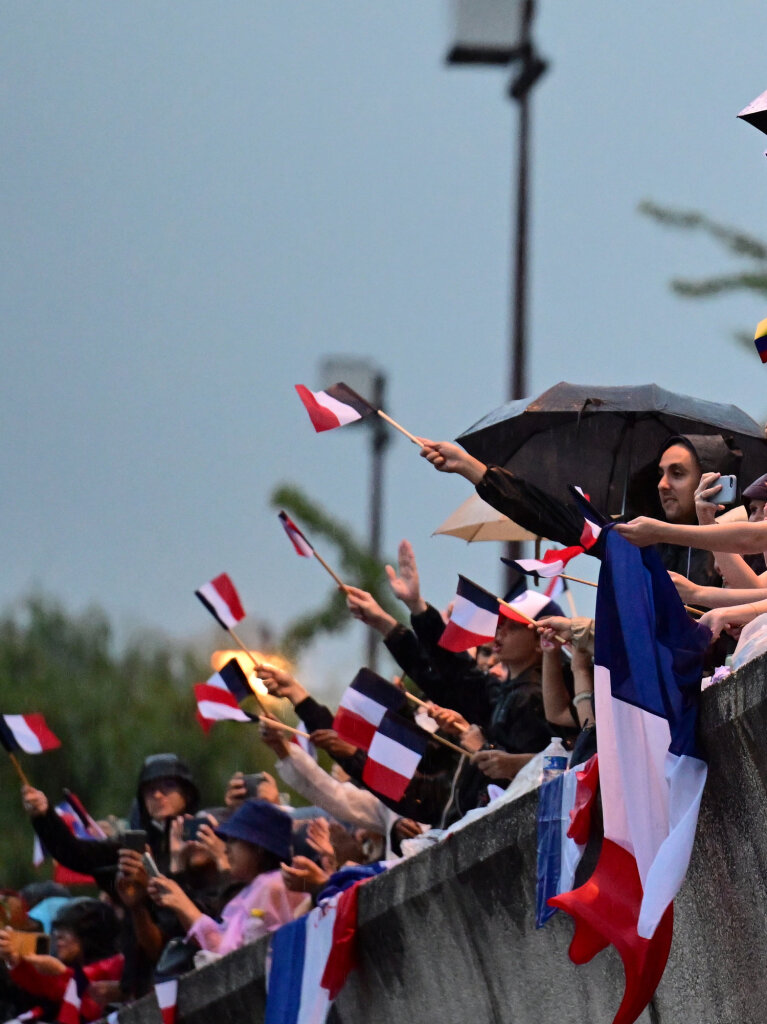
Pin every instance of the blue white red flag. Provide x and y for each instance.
(310, 961)
(363, 706)
(334, 407)
(648, 666)
(219, 699)
(552, 564)
(564, 818)
(29, 733)
(473, 620)
(222, 601)
(215, 704)
(297, 539)
(555, 588)
(527, 606)
(166, 993)
(393, 756)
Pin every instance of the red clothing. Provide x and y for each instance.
(53, 986)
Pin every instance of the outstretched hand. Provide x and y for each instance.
(405, 585)
(451, 458)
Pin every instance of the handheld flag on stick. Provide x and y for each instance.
(303, 548)
(648, 666)
(393, 756)
(222, 696)
(223, 602)
(334, 407)
(338, 405)
(363, 706)
(474, 618)
(29, 733)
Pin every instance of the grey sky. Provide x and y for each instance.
(201, 200)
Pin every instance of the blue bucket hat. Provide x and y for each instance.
(262, 824)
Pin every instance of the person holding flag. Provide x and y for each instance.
(500, 721)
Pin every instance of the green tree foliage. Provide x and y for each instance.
(110, 710)
(752, 277)
(351, 560)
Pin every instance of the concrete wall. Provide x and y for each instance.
(449, 937)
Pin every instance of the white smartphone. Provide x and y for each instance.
(729, 490)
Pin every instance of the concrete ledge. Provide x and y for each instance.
(448, 937)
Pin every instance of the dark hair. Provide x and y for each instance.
(95, 925)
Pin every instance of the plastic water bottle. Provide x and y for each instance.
(555, 759)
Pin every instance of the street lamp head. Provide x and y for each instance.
(487, 31)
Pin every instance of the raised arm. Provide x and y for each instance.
(742, 538)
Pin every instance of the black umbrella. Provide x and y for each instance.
(607, 439)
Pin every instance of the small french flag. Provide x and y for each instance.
(297, 539)
(393, 756)
(218, 699)
(474, 618)
(222, 601)
(217, 705)
(167, 995)
(334, 407)
(29, 733)
(552, 564)
(363, 706)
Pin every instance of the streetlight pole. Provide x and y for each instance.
(380, 436)
(520, 86)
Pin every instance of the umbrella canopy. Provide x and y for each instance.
(606, 440)
(475, 520)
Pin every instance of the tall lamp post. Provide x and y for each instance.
(369, 381)
(499, 33)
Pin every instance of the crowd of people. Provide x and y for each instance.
(181, 883)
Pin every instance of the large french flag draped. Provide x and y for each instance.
(334, 407)
(648, 666)
(473, 620)
(310, 961)
(564, 820)
(29, 733)
(222, 601)
(364, 704)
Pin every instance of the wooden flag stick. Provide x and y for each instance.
(423, 704)
(326, 567)
(19, 770)
(575, 579)
(439, 739)
(256, 665)
(281, 725)
(399, 427)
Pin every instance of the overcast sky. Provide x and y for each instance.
(201, 200)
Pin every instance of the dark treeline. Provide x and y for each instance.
(110, 708)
